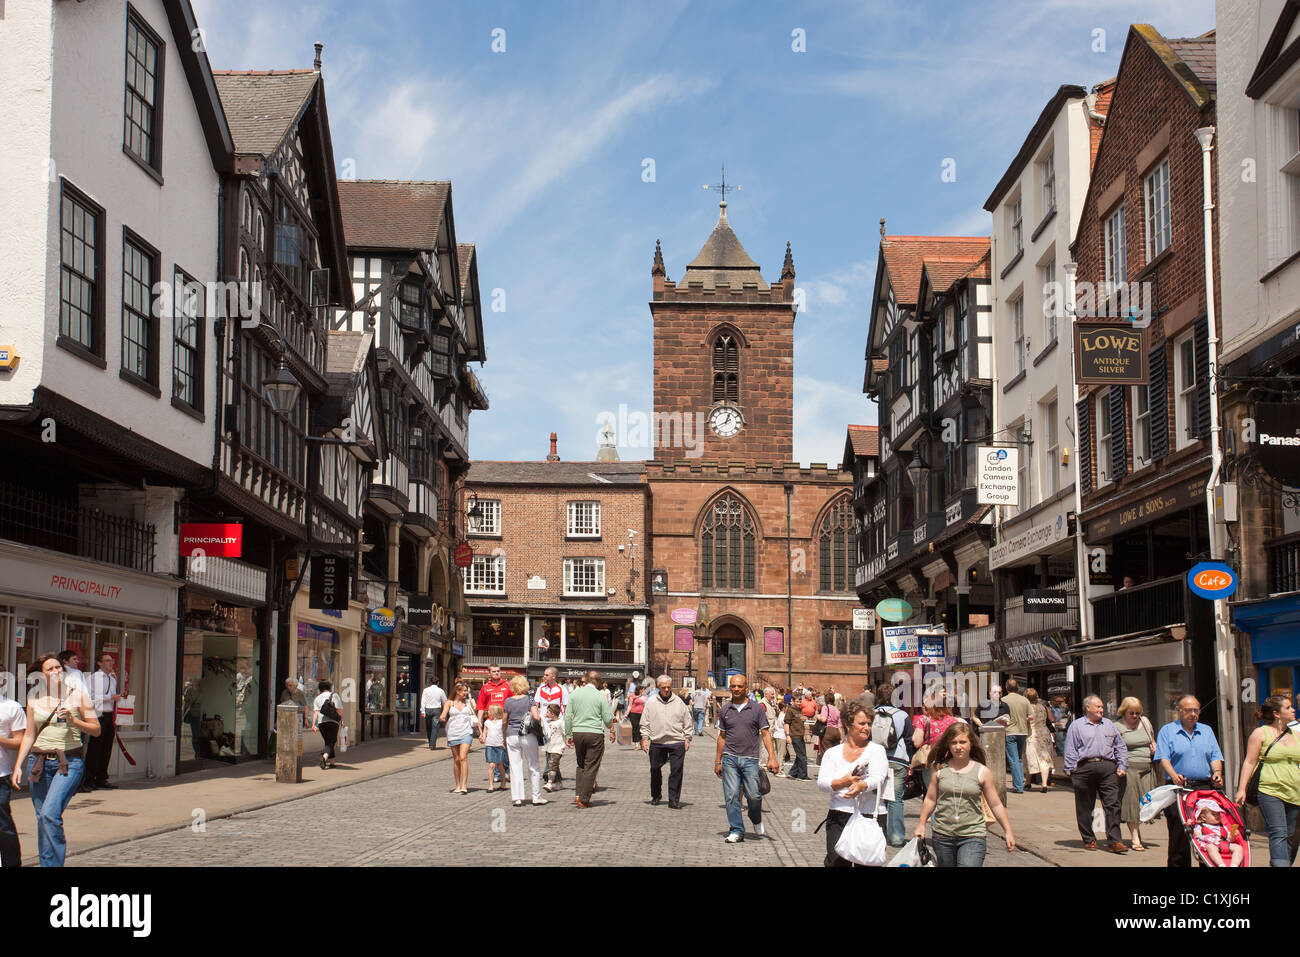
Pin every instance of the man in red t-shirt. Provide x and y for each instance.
(494, 691)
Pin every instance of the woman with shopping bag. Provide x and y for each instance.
(855, 774)
(960, 836)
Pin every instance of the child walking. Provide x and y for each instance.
(493, 740)
(553, 728)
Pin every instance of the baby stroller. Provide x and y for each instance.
(1189, 804)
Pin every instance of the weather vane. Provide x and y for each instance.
(723, 187)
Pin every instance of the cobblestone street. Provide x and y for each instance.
(410, 818)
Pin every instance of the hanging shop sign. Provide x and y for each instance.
(864, 619)
(419, 611)
(1011, 654)
(894, 609)
(1212, 580)
(683, 638)
(932, 649)
(1276, 445)
(213, 540)
(464, 555)
(683, 616)
(1030, 542)
(1040, 601)
(773, 640)
(1109, 353)
(999, 476)
(331, 582)
(901, 644)
(382, 621)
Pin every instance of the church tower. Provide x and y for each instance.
(723, 356)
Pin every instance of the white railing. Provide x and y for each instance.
(459, 432)
(229, 576)
(1019, 622)
(975, 645)
(421, 498)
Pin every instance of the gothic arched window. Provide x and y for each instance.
(726, 369)
(835, 540)
(727, 546)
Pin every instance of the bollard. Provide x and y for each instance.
(288, 744)
(993, 738)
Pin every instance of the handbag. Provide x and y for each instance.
(819, 728)
(863, 842)
(533, 727)
(764, 782)
(1252, 788)
(913, 784)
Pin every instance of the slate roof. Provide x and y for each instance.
(594, 474)
(722, 260)
(905, 257)
(1198, 53)
(261, 105)
(393, 214)
(865, 439)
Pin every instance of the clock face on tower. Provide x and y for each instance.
(725, 421)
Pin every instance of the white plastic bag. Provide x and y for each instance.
(862, 841)
(343, 739)
(910, 856)
(1156, 800)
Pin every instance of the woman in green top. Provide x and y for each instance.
(1275, 745)
(57, 717)
(960, 838)
(1140, 739)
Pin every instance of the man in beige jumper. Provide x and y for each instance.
(666, 734)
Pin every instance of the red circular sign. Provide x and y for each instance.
(464, 555)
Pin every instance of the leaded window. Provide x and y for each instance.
(80, 265)
(187, 334)
(839, 638)
(835, 542)
(727, 545)
(584, 576)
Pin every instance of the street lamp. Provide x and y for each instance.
(917, 469)
(281, 391)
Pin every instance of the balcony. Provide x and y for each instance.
(1019, 622)
(512, 656)
(46, 521)
(974, 645)
(1283, 564)
(1148, 607)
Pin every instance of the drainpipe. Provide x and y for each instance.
(1081, 570)
(789, 593)
(1228, 678)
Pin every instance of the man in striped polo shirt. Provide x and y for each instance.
(550, 692)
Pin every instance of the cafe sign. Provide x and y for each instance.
(1109, 353)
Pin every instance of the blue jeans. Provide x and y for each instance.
(11, 854)
(1015, 757)
(50, 795)
(1281, 819)
(896, 832)
(959, 851)
(738, 771)
(699, 721)
(431, 723)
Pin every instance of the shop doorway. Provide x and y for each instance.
(600, 645)
(408, 692)
(729, 656)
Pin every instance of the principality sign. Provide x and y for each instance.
(1109, 353)
(213, 540)
(999, 476)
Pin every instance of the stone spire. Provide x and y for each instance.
(787, 268)
(658, 268)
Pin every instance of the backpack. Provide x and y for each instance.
(883, 731)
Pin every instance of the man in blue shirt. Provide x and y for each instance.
(741, 724)
(1096, 760)
(1189, 754)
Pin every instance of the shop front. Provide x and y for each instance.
(1157, 670)
(1273, 625)
(327, 647)
(408, 677)
(50, 602)
(1041, 663)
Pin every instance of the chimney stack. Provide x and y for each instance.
(316, 65)
(554, 456)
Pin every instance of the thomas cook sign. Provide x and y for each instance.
(1111, 353)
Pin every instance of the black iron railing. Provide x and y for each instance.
(1283, 564)
(1142, 607)
(47, 521)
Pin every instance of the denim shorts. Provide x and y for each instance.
(495, 755)
(459, 741)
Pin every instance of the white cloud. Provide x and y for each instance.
(822, 413)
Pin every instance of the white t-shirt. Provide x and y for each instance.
(13, 717)
(494, 733)
(778, 729)
(320, 700)
(834, 765)
(433, 698)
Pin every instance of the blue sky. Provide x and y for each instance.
(545, 146)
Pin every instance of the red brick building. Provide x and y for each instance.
(767, 547)
(559, 552)
(1143, 450)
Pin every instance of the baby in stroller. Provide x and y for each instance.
(1213, 837)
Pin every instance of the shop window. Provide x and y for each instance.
(129, 648)
(374, 659)
(221, 686)
(1171, 684)
(318, 658)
